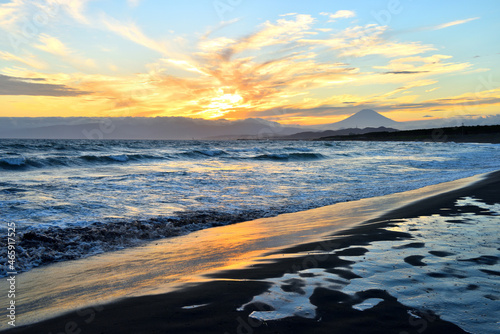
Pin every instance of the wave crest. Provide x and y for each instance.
(13, 161)
(290, 156)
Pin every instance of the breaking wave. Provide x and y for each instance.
(39, 246)
(21, 162)
(290, 156)
(14, 161)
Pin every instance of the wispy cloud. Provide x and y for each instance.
(15, 13)
(452, 23)
(282, 32)
(406, 87)
(360, 41)
(54, 46)
(133, 3)
(75, 8)
(133, 33)
(467, 101)
(434, 64)
(29, 60)
(9, 12)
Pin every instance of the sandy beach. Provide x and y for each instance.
(424, 261)
(244, 167)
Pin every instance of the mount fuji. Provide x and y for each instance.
(364, 119)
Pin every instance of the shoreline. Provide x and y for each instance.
(218, 296)
(149, 190)
(485, 134)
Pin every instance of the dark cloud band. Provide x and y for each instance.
(27, 86)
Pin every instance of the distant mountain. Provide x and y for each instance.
(311, 135)
(363, 119)
(139, 128)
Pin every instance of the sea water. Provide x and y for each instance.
(74, 198)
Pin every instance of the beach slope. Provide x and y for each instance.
(427, 267)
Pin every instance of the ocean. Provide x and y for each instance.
(74, 198)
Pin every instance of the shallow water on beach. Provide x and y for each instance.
(450, 266)
(74, 198)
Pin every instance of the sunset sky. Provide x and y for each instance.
(296, 62)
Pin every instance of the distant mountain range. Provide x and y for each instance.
(362, 122)
(161, 128)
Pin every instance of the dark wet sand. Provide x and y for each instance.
(217, 300)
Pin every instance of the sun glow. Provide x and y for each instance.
(222, 104)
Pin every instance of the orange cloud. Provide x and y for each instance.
(421, 65)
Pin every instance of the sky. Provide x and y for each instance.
(295, 62)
